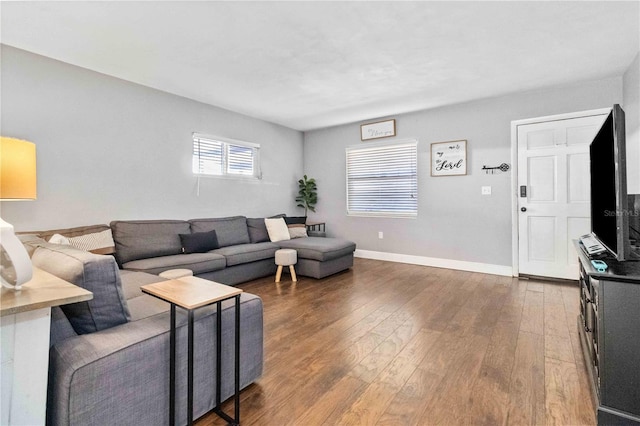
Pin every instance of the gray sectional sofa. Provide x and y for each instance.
(109, 357)
(245, 251)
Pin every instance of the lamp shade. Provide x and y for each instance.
(17, 169)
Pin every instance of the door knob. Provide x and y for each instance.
(523, 209)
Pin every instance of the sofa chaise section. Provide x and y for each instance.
(319, 257)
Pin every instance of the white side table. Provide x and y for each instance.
(25, 321)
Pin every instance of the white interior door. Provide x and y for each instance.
(553, 194)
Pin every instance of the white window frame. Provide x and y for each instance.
(380, 156)
(224, 171)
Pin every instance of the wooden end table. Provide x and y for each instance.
(191, 293)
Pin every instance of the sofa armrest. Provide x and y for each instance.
(121, 375)
(316, 233)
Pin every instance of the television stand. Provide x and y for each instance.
(609, 325)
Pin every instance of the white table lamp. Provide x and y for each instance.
(17, 182)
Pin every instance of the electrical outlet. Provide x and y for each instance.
(486, 190)
(380, 235)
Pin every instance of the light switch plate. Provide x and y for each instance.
(486, 190)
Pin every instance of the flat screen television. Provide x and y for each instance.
(609, 201)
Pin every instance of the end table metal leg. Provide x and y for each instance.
(237, 362)
(172, 367)
(218, 352)
(190, 371)
(236, 419)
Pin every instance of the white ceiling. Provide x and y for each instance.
(308, 65)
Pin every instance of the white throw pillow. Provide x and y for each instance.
(59, 239)
(92, 242)
(277, 229)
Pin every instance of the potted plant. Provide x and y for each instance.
(307, 194)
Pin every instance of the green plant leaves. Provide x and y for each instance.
(307, 194)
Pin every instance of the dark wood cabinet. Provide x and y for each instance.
(609, 328)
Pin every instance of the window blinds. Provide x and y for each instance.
(383, 180)
(224, 157)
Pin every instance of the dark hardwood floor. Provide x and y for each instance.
(397, 344)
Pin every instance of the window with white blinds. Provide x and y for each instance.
(216, 156)
(382, 180)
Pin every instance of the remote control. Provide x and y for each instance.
(599, 265)
(591, 244)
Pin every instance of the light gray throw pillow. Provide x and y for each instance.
(94, 272)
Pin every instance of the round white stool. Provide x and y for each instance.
(286, 257)
(174, 274)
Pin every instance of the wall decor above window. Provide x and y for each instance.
(377, 130)
(449, 158)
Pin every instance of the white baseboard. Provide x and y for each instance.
(461, 265)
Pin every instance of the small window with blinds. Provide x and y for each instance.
(216, 156)
(382, 180)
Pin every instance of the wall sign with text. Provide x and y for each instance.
(381, 129)
(449, 158)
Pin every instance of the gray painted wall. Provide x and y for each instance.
(109, 149)
(454, 220)
(631, 106)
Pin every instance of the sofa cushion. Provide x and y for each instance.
(146, 306)
(245, 253)
(198, 262)
(132, 280)
(141, 305)
(97, 273)
(199, 242)
(143, 239)
(230, 230)
(277, 229)
(257, 230)
(318, 248)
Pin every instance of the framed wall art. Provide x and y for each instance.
(380, 129)
(449, 158)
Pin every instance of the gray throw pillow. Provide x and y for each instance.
(94, 272)
(199, 242)
(291, 220)
(257, 230)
